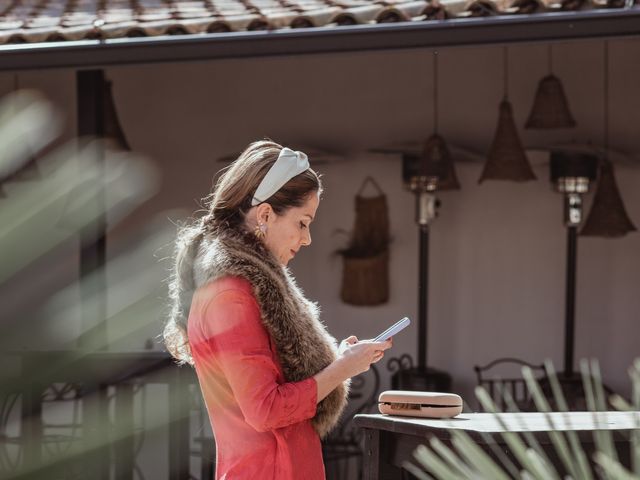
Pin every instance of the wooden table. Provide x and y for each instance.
(390, 441)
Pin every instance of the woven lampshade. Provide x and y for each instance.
(607, 217)
(550, 106)
(436, 161)
(506, 159)
(112, 128)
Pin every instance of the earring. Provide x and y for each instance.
(260, 230)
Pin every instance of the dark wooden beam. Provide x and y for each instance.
(90, 104)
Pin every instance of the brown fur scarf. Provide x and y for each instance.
(304, 346)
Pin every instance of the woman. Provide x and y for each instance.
(272, 378)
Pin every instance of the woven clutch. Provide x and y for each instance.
(420, 404)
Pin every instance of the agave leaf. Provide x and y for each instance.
(635, 448)
(485, 399)
(539, 399)
(590, 379)
(542, 464)
(613, 469)
(634, 373)
(469, 461)
(584, 470)
(484, 465)
(620, 403)
(607, 435)
(588, 388)
(28, 123)
(503, 460)
(69, 199)
(543, 406)
(416, 471)
(434, 464)
(556, 389)
(557, 439)
(455, 462)
(601, 404)
(529, 437)
(513, 441)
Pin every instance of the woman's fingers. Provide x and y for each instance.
(383, 345)
(376, 349)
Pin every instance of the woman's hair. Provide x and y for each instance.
(227, 205)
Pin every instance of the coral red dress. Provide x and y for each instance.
(262, 425)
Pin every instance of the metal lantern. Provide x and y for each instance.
(571, 174)
(432, 170)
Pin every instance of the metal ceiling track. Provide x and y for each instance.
(541, 27)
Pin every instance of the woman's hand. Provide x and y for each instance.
(352, 340)
(356, 356)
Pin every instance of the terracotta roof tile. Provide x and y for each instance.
(59, 20)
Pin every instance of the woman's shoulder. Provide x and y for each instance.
(223, 290)
(226, 304)
(227, 285)
(224, 307)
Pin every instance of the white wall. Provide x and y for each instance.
(498, 249)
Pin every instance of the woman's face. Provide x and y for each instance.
(288, 232)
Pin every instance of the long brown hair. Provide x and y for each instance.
(228, 205)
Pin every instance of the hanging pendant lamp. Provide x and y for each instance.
(550, 107)
(608, 216)
(506, 159)
(436, 161)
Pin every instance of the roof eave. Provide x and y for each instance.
(434, 33)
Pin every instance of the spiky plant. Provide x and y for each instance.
(464, 459)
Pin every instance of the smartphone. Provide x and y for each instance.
(392, 330)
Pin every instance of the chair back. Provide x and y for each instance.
(502, 378)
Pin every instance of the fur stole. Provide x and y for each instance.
(304, 346)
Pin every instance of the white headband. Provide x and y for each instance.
(288, 165)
